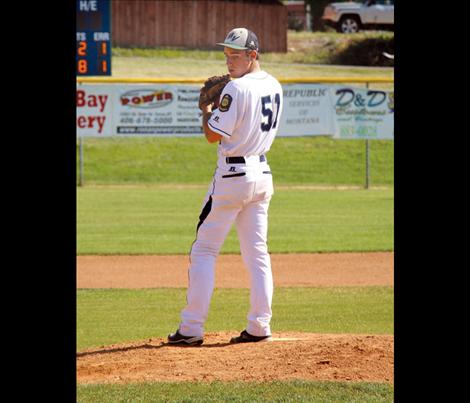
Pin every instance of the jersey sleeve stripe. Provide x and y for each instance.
(218, 130)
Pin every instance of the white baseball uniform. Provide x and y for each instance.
(248, 118)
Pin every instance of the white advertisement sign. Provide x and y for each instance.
(363, 113)
(94, 110)
(172, 110)
(157, 110)
(306, 111)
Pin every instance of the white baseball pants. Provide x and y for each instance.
(243, 200)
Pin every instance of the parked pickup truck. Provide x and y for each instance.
(350, 17)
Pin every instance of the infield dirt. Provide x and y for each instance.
(289, 270)
(291, 355)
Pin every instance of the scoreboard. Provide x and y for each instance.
(93, 55)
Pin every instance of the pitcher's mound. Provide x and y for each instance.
(307, 356)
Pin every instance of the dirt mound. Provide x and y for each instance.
(307, 356)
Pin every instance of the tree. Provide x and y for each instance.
(316, 11)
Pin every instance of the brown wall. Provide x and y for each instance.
(195, 23)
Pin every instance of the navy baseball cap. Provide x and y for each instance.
(241, 39)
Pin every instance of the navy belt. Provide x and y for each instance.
(241, 160)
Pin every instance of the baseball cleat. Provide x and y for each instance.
(178, 338)
(246, 337)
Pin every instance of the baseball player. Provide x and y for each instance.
(244, 120)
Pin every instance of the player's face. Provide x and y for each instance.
(238, 62)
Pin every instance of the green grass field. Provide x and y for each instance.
(294, 161)
(309, 54)
(118, 315)
(202, 392)
(159, 220)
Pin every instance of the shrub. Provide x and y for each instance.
(365, 52)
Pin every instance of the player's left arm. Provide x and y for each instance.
(211, 136)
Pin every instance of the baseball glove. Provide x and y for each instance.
(212, 89)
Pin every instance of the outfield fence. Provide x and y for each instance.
(367, 81)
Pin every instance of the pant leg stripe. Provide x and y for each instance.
(205, 212)
(201, 220)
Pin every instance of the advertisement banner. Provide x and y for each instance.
(94, 110)
(172, 110)
(157, 110)
(363, 113)
(307, 110)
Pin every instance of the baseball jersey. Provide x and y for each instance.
(249, 114)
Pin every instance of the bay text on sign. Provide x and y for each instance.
(93, 111)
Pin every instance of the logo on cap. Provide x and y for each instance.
(233, 36)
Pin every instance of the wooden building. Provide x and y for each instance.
(196, 23)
